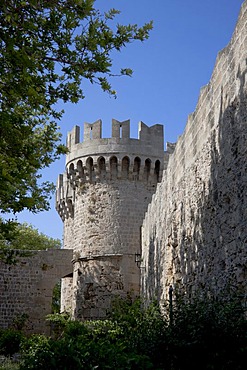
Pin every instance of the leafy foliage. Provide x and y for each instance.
(83, 346)
(56, 298)
(8, 364)
(16, 237)
(144, 327)
(20, 321)
(209, 334)
(25, 236)
(47, 49)
(203, 335)
(10, 340)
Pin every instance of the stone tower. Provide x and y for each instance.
(102, 199)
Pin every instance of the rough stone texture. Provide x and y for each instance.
(194, 235)
(98, 280)
(102, 199)
(27, 287)
(107, 218)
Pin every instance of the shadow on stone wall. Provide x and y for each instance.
(153, 290)
(212, 255)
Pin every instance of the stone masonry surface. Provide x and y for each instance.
(27, 287)
(194, 235)
(102, 199)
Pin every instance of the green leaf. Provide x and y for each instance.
(47, 50)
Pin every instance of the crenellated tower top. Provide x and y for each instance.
(150, 140)
(120, 157)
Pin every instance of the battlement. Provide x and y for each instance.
(119, 157)
(109, 160)
(150, 140)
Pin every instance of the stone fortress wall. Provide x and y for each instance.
(102, 198)
(26, 288)
(194, 235)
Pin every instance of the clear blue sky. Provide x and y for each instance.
(169, 70)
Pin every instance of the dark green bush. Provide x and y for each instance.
(89, 345)
(208, 334)
(204, 334)
(37, 352)
(10, 340)
(143, 328)
(99, 344)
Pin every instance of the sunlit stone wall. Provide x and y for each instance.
(194, 235)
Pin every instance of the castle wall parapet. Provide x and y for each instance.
(150, 140)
